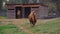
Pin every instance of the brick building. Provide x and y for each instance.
(12, 9)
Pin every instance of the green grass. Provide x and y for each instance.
(10, 29)
(2, 17)
(51, 27)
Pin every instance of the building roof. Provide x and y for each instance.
(24, 1)
(31, 4)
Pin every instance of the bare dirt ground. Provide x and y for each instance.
(20, 22)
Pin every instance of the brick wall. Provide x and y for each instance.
(11, 14)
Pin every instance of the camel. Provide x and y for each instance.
(32, 18)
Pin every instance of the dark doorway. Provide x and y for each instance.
(27, 11)
(18, 10)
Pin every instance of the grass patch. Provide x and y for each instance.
(10, 29)
(2, 17)
(51, 27)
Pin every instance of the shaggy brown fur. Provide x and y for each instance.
(32, 18)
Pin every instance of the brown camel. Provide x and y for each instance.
(32, 18)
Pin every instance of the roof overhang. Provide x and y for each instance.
(25, 5)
